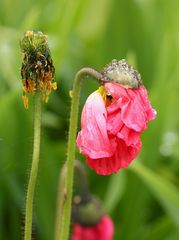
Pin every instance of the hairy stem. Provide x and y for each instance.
(66, 214)
(60, 202)
(34, 168)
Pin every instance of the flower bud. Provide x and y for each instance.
(86, 211)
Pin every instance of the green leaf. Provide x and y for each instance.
(158, 230)
(165, 192)
(114, 191)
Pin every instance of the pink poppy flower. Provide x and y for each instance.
(103, 230)
(112, 121)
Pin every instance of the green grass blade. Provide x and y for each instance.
(165, 192)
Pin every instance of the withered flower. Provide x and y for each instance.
(37, 69)
(113, 119)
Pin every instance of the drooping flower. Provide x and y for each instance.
(113, 119)
(103, 230)
(37, 69)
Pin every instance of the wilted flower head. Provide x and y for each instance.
(113, 119)
(37, 69)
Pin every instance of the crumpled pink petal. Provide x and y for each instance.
(122, 158)
(129, 136)
(93, 139)
(110, 136)
(151, 113)
(104, 230)
(136, 110)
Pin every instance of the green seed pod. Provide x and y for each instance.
(122, 73)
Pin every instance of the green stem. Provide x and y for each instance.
(34, 168)
(60, 202)
(62, 193)
(84, 72)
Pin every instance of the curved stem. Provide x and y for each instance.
(84, 72)
(34, 168)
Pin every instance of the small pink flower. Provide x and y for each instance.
(112, 120)
(103, 230)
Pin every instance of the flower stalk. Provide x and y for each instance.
(60, 202)
(66, 215)
(62, 193)
(34, 168)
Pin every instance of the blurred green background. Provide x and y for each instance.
(143, 200)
